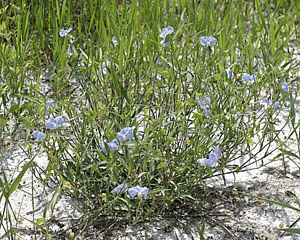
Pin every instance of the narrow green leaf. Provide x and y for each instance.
(292, 109)
(40, 220)
(55, 198)
(272, 201)
(17, 181)
(290, 230)
(260, 13)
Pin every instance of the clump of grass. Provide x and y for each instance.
(183, 94)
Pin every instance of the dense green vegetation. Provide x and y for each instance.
(183, 94)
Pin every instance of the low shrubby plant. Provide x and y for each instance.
(143, 107)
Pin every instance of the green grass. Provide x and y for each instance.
(103, 88)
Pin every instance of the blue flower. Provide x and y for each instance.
(208, 41)
(266, 101)
(213, 157)
(9, 103)
(125, 134)
(39, 135)
(120, 188)
(54, 123)
(138, 191)
(207, 100)
(115, 41)
(164, 33)
(206, 161)
(69, 52)
(64, 33)
(285, 86)
(275, 105)
(249, 79)
(48, 104)
(217, 151)
(202, 104)
(203, 162)
(113, 146)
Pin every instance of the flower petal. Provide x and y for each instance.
(285, 86)
(275, 105)
(115, 41)
(120, 187)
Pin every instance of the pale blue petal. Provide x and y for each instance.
(208, 41)
(59, 121)
(285, 86)
(9, 103)
(204, 40)
(209, 162)
(202, 161)
(275, 105)
(201, 104)
(207, 100)
(133, 192)
(120, 187)
(64, 33)
(217, 151)
(115, 41)
(266, 101)
(49, 103)
(125, 134)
